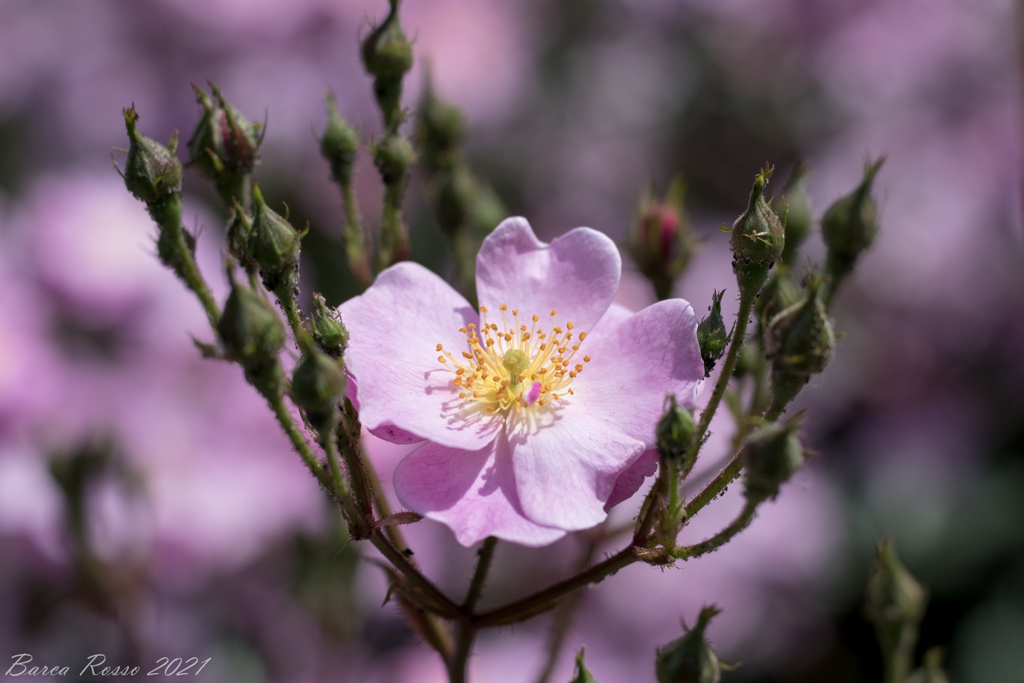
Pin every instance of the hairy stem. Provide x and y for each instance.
(457, 669)
(741, 522)
(168, 217)
(542, 600)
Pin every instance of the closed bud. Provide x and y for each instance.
(318, 384)
(780, 293)
(932, 671)
(581, 675)
(239, 230)
(224, 145)
(273, 244)
(895, 601)
(339, 145)
(152, 172)
(770, 457)
(757, 238)
(660, 240)
(674, 431)
(794, 209)
(849, 226)
(249, 328)
(800, 340)
(386, 52)
(440, 129)
(328, 331)
(690, 658)
(393, 155)
(712, 336)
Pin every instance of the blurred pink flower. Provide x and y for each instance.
(526, 438)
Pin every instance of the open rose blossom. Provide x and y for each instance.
(539, 409)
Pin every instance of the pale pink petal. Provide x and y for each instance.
(616, 315)
(566, 464)
(630, 481)
(472, 492)
(386, 431)
(631, 370)
(394, 329)
(577, 274)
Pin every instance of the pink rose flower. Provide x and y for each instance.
(534, 406)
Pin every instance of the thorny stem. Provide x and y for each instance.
(355, 239)
(291, 310)
(330, 445)
(467, 629)
(168, 216)
(741, 522)
(735, 344)
(544, 599)
(348, 437)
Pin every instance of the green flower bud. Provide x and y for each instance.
(690, 659)
(895, 602)
(660, 239)
(239, 231)
(770, 457)
(393, 155)
(800, 340)
(757, 237)
(224, 145)
(328, 330)
(780, 293)
(339, 145)
(932, 671)
(712, 336)
(249, 329)
(674, 431)
(273, 244)
(152, 172)
(440, 129)
(794, 209)
(849, 226)
(318, 384)
(581, 675)
(387, 53)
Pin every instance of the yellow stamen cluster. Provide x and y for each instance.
(502, 364)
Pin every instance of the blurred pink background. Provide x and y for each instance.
(150, 506)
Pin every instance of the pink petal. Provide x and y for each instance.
(394, 329)
(566, 464)
(652, 354)
(472, 492)
(577, 274)
(630, 481)
(387, 431)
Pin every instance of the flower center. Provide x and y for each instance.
(515, 366)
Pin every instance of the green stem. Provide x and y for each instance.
(534, 604)
(457, 669)
(741, 522)
(435, 599)
(344, 495)
(735, 344)
(896, 662)
(355, 238)
(302, 446)
(394, 237)
(168, 216)
(285, 295)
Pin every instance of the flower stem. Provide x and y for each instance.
(741, 522)
(286, 296)
(735, 344)
(467, 629)
(543, 600)
(168, 217)
(355, 238)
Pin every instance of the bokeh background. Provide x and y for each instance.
(149, 506)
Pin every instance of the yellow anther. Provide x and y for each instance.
(467, 355)
(515, 312)
(503, 307)
(460, 371)
(579, 367)
(442, 359)
(569, 324)
(483, 309)
(586, 359)
(554, 311)
(535, 318)
(462, 394)
(583, 335)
